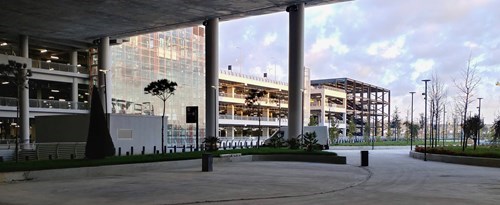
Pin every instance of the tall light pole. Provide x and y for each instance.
(279, 112)
(425, 121)
(411, 124)
(215, 109)
(479, 114)
(302, 124)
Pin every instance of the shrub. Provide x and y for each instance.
(293, 143)
(310, 141)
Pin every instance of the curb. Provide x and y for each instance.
(475, 161)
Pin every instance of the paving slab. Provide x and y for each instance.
(237, 181)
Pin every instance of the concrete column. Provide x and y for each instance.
(74, 87)
(232, 91)
(324, 104)
(296, 69)
(104, 73)
(230, 132)
(24, 113)
(230, 111)
(212, 75)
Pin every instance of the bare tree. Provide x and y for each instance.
(437, 97)
(466, 85)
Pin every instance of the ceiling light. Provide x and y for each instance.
(3, 44)
(48, 61)
(51, 68)
(51, 97)
(86, 93)
(5, 82)
(79, 65)
(54, 91)
(43, 51)
(85, 101)
(62, 100)
(54, 57)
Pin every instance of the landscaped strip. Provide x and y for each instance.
(481, 151)
(60, 164)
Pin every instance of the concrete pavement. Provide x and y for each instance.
(391, 178)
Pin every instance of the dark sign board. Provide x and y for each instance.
(191, 114)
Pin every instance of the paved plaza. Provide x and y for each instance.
(391, 178)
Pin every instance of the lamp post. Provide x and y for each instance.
(279, 112)
(411, 124)
(215, 109)
(302, 124)
(425, 121)
(479, 114)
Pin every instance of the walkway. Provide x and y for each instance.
(391, 178)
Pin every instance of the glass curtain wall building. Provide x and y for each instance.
(177, 55)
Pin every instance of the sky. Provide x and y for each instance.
(389, 43)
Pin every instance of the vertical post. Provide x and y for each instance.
(425, 121)
(296, 68)
(411, 124)
(104, 76)
(74, 85)
(24, 96)
(479, 115)
(212, 74)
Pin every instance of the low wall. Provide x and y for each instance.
(301, 158)
(475, 161)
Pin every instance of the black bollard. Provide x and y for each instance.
(154, 149)
(143, 150)
(72, 156)
(132, 150)
(1, 158)
(183, 148)
(206, 162)
(170, 151)
(157, 151)
(127, 153)
(119, 151)
(175, 148)
(364, 158)
(165, 149)
(27, 158)
(191, 148)
(50, 157)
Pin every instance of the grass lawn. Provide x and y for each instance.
(59, 164)
(481, 151)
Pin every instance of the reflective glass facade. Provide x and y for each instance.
(178, 55)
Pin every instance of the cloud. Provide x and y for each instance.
(389, 43)
(270, 38)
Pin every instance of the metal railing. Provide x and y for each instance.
(252, 118)
(267, 80)
(48, 104)
(58, 66)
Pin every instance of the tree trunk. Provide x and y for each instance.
(162, 129)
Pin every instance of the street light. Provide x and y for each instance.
(425, 121)
(215, 109)
(411, 126)
(302, 125)
(479, 114)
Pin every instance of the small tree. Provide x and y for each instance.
(495, 130)
(162, 89)
(472, 127)
(13, 72)
(366, 132)
(352, 128)
(252, 101)
(313, 121)
(334, 130)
